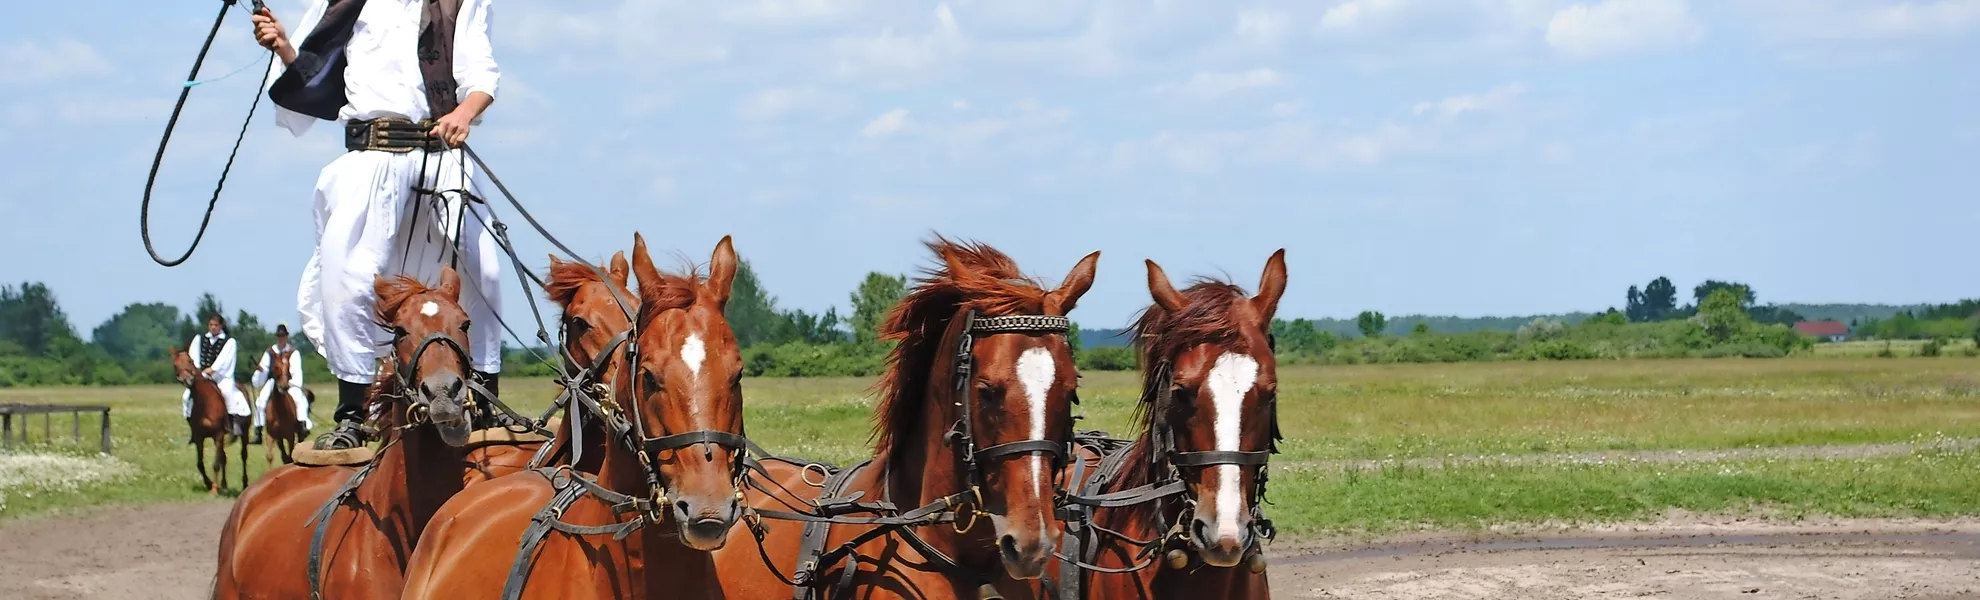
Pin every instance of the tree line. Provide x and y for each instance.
(39, 346)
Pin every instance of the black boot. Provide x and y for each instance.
(350, 416)
(190, 437)
(256, 440)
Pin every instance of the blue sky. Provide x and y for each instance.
(1413, 156)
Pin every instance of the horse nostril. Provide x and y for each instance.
(1008, 544)
(682, 506)
(1202, 531)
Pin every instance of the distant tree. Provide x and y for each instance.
(1613, 317)
(1660, 299)
(1300, 336)
(1635, 309)
(1421, 328)
(139, 332)
(815, 329)
(31, 318)
(1371, 323)
(1723, 314)
(752, 311)
(250, 339)
(1704, 290)
(1072, 338)
(1774, 315)
(877, 294)
(194, 322)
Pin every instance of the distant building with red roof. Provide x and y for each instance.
(1827, 331)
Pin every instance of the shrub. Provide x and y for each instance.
(1117, 358)
(1932, 348)
(1886, 352)
(1542, 329)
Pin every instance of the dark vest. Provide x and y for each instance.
(209, 348)
(314, 84)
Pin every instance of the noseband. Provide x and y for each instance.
(407, 372)
(1166, 451)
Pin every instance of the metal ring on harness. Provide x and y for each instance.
(809, 468)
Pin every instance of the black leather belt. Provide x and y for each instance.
(391, 135)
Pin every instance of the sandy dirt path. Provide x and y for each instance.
(166, 552)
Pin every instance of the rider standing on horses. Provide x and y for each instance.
(409, 79)
(213, 353)
(266, 384)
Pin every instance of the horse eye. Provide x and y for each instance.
(466, 324)
(652, 381)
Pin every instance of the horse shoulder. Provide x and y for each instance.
(469, 545)
(264, 550)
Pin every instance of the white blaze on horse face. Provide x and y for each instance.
(1231, 378)
(430, 308)
(693, 352)
(1035, 371)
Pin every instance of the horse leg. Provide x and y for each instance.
(199, 458)
(220, 455)
(244, 454)
(268, 447)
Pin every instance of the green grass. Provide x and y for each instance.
(1899, 348)
(1377, 412)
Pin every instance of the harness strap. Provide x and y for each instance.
(811, 545)
(321, 520)
(570, 487)
(1219, 457)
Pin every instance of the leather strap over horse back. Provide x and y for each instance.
(811, 547)
(570, 486)
(321, 520)
(391, 135)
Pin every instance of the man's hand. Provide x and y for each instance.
(269, 33)
(454, 127)
(207, 372)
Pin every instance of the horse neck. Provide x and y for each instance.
(922, 466)
(417, 473)
(206, 396)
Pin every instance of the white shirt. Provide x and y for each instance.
(382, 78)
(223, 363)
(261, 372)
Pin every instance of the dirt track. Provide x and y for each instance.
(166, 552)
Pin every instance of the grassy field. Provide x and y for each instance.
(1336, 414)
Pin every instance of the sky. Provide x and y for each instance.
(1472, 157)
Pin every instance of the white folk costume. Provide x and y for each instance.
(217, 353)
(266, 384)
(370, 62)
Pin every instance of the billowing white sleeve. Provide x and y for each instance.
(474, 55)
(261, 372)
(295, 369)
(296, 123)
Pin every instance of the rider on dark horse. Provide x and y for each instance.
(409, 79)
(213, 353)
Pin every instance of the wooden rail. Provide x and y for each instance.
(9, 412)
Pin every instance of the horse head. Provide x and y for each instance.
(430, 348)
(182, 367)
(685, 388)
(593, 313)
(1210, 400)
(998, 386)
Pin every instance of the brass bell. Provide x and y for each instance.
(988, 592)
(1178, 559)
(1256, 563)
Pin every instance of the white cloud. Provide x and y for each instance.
(1262, 26)
(1212, 85)
(889, 52)
(29, 61)
(959, 104)
(1842, 20)
(1380, 34)
(1449, 108)
(1617, 27)
(790, 10)
(888, 123)
(773, 104)
(1287, 108)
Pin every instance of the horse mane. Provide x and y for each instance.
(393, 293)
(566, 278)
(672, 291)
(990, 283)
(1159, 335)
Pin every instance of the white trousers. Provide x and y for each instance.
(369, 222)
(237, 404)
(295, 395)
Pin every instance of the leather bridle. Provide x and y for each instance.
(963, 433)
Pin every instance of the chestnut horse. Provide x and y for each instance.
(974, 420)
(643, 526)
(1209, 421)
(365, 520)
(284, 426)
(209, 421)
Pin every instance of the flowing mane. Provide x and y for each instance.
(566, 278)
(989, 283)
(668, 291)
(1159, 335)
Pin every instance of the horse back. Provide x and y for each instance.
(471, 545)
(264, 549)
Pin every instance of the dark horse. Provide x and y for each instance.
(284, 426)
(210, 421)
(974, 420)
(1209, 420)
(652, 493)
(365, 520)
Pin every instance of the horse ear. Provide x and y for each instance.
(649, 277)
(722, 272)
(957, 271)
(450, 284)
(1164, 291)
(619, 271)
(1061, 301)
(1271, 286)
